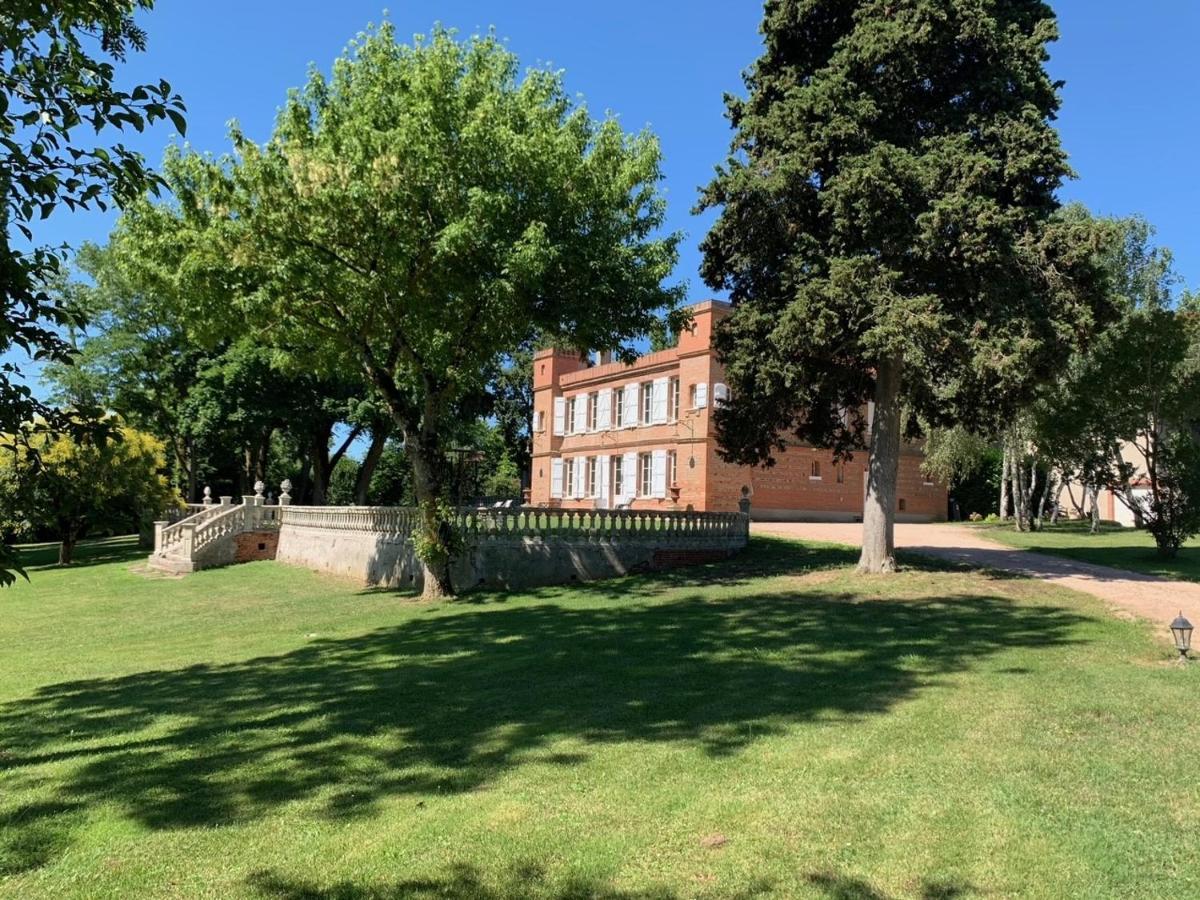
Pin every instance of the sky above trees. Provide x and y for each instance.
(1128, 119)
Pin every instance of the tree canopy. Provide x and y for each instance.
(887, 230)
(421, 215)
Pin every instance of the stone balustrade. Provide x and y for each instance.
(509, 548)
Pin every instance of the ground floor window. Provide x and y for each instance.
(618, 473)
(672, 468)
(592, 484)
(645, 474)
(569, 469)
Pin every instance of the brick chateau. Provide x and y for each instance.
(642, 436)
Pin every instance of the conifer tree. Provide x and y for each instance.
(887, 232)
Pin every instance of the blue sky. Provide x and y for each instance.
(1129, 118)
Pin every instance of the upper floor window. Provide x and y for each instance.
(539, 421)
(593, 401)
(618, 407)
(647, 402)
(814, 471)
(673, 399)
(570, 423)
(841, 474)
(672, 468)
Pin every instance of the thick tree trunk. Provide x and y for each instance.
(436, 537)
(66, 549)
(879, 505)
(362, 485)
(1094, 497)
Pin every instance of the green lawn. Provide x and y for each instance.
(1125, 548)
(774, 727)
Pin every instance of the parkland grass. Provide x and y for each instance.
(772, 727)
(1122, 548)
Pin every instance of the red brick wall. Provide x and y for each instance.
(255, 545)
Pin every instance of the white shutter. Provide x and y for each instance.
(701, 395)
(870, 415)
(580, 423)
(560, 416)
(630, 474)
(658, 474)
(720, 393)
(631, 404)
(580, 470)
(658, 404)
(556, 478)
(603, 466)
(604, 410)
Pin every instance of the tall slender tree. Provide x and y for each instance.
(887, 231)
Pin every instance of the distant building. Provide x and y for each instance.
(643, 436)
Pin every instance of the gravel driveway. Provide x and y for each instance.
(1148, 596)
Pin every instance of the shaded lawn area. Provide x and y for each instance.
(1122, 548)
(772, 727)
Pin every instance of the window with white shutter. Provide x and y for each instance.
(580, 463)
(618, 407)
(645, 482)
(556, 478)
(603, 492)
(560, 416)
(700, 396)
(659, 485)
(604, 409)
(658, 412)
(581, 406)
(647, 391)
(631, 405)
(629, 470)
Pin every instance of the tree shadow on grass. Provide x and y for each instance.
(35, 557)
(448, 702)
(844, 887)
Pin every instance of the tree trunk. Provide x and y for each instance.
(1035, 511)
(1020, 490)
(1004, 469)
(362, 485)
(879, 505)
(436, 536)
(1094, 496)
(1076, 505)
(66, 549)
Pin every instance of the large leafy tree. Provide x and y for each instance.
(886, 230)
(422, 213)
(58, 79)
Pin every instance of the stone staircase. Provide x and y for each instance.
(208, 538)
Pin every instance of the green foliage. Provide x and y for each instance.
(342, 481)
(890, 198)
(504, 480)
(424, 213)
(71, 486)
(57, 78)
(1136, 386)
(391, 483)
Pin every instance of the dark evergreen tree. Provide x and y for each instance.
(887, 231)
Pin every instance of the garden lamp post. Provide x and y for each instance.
(1181, 628)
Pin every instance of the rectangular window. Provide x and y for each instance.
(645, 474)
(841, 474)
(539, 421)
(593, 401)
(647, 402)
(571, 415)
(673, 399)
(903, 504)
(672, 468)
(814, 472)
(592, 485)
(570, 471)
(618, 474)
(619, 407)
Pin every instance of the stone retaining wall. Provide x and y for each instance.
(506, 549)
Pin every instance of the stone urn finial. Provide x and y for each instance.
(285, 492)
(259, 487)
(208, 500)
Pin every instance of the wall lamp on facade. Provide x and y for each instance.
(1181, 629)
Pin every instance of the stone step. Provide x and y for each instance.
(171, 564)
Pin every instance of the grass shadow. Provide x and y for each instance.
(92, 552)
(447, 702)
